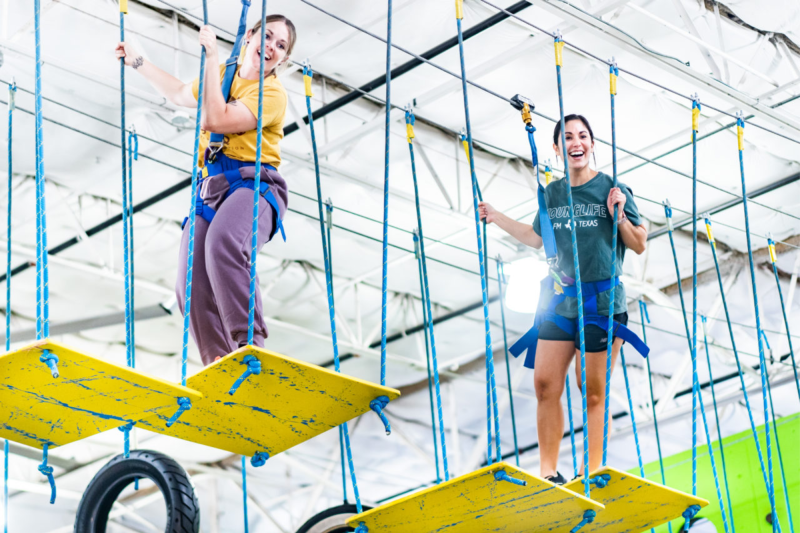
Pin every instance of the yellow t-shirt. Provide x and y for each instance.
(242, 146)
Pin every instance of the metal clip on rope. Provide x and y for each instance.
(253, 367)
(501, 475)
(184, 404)
(378, 405)
(259, 459)
(588, 518)
(51, 360)
(48, 471)
(600, 481)
(688, 514)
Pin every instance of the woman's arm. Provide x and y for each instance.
(219, 115)
(634, 237)
(522, 232)
(170, 87)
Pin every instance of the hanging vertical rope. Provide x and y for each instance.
(613, 74)
(244, 495)
(190, 247)
(133, 155)
(501, 277)
(773, 257)
(630, 409)
(780, 456)
(308, 75)
(746, 396)
(481, 252)
(123, 10)
(559, 47)
(12, 92)
(740, 138)
(385, 245)
(426, 293)
(571, 429)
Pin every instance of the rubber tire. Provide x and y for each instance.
(183, 510)
(333, 520)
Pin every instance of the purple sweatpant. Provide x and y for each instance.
(221, 270)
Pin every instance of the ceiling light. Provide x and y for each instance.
(526, 275)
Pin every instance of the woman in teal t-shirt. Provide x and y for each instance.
(594, 199)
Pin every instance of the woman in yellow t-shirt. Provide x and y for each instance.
(222, 249)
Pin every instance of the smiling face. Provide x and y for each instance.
(579, 144)
(276, 48)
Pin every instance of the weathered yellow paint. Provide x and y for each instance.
(478, 502)
(288, 403)
(89, 396)
(634, 504)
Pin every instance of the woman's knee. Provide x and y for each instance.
(548, 389)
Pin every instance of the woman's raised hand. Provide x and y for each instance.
(132, 57)
(487, 212)
(208, 40)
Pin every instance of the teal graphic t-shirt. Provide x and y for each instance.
(594, 226)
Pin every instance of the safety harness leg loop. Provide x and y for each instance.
(378, 405)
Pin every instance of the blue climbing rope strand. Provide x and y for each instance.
(481, 256)
(125, 231)
(783, 310)
(573, 233)
(244, 494)
(501, 276)
(133, 155)
(571, 429)
(195, 192)
(775, 521)
(427, 354)
(695, 391)
(746, 396)
(719, 430)
(645, 317)
(630, 409)
(614, 72)
(257, 183)
(341, 458)
(12, 89)
(42, 289)
(307, 72)
(385, 244)
(710, 444)
(780, 455)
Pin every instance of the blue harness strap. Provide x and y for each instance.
(549, 300)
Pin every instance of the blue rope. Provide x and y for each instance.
(501, 276)
(572, 429)
(344, 472)
(573, 233)
(133, 155)
(48, 471)
(385, 244)
(12, 90)
(746, 396)
(329, 281)
(253, 368)
(610, 328)
(770, 485)
(710, 443)
(785, 321)
(780, 455)
(184, 404)
(693, 349)
(588, 518)
(244, 492)
(125, 221)
(427, 353)
(257, 178)
(195, 192)
(645, 316)
(633, 416)
(481, 253)
(502, 475)
(719, 430)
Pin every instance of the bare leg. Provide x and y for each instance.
(596, 398)
(552, 364)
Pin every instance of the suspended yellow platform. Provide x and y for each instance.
(480, 502)
(633, 504)
(287, 403)
(89, 395)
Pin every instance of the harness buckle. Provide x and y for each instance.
(214, 148)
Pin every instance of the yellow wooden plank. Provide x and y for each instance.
(89, 396)
(634, 504)
(478, 502)
(288, 403)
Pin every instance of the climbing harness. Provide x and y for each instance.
(557, 286)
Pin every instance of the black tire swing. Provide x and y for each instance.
(333, 520)
(183, 509)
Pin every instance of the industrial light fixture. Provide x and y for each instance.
(526, 275)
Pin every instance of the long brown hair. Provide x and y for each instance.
(256, 29)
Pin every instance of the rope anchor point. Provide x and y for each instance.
(502, 475)
(184, 404)
(253, 368)
(600, 481)
(259, 459)
(378, 405)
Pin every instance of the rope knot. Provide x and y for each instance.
(259, 459)
(688, 514)
(378, 405)
(253, 367)
(51, 360)
(184, 404)
(127, 427)
(501, 475)
(588, 517)
(362, 528)
(48, 471)
(600, 481)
